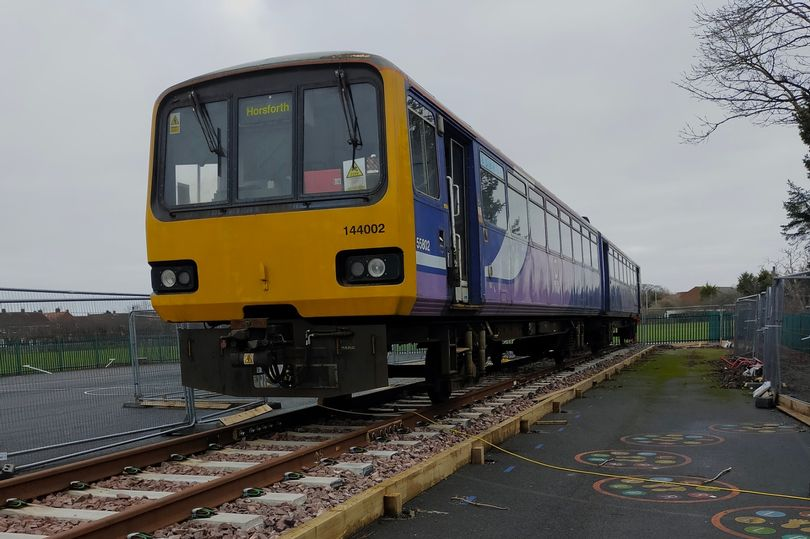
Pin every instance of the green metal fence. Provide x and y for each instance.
(57, 354)
(686, 327)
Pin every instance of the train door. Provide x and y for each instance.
(456, 160)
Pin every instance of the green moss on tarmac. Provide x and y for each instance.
(690, 366)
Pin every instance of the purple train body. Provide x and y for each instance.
(520, 251)
(501, 262)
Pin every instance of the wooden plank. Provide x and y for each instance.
(244, 416)
(392, 505)
(795, 404)
(202, 405)
(794, 414)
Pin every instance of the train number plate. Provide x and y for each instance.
(353, 230)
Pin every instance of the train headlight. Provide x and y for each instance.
(184, 278)
(168, 278)
(174, 277)
(376, 267)
(372, 266)
(357, 269)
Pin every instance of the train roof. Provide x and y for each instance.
(315, 58)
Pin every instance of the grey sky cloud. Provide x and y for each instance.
(579, 94)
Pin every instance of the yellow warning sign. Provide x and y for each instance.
(174, 123)
(247, 359)
(354, 171)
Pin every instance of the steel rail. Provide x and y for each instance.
(173, 509)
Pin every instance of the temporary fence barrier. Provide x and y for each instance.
(67, 374)
(774, 328)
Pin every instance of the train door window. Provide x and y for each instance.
(330, 163)
(518, 212)
(553, 223)
(194, 174)
(612, 262)
(424, 163)
(265, 146)
(594, 252)
(565, 228)
(493, 192)
(537, 222)
(586, 248)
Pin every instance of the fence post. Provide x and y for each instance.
(18, 357)
(133, 357)
(60, 349)
(97, 351)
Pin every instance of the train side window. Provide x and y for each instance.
(553, 228)
(567, 249)
(537, 223)
(265, 146)
(518, 211)
(424, 163)
(518, 214)
(577, 244)
(594, 253)
(493, 192)
(193, 174)
(586, 248)
(516, 183)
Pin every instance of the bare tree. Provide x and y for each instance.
(753, 63)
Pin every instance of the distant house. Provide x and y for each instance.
(110, 324)
(23, 325)
(692, 296)
(61, 322)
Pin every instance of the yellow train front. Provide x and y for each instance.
(280, 203)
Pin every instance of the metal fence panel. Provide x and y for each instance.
(791, 343)
(774, 328)
(66, 372)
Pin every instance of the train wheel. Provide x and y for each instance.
(439, 389)
(438, 368)
(495, 352)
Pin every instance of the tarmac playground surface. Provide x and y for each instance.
(665, 419)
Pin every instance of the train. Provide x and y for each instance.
(307, 213)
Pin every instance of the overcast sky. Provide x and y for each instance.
(580, 94)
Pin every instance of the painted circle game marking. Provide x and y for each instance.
(779, 521)
(647, 491)
(636, 459)
(763, 428)
(675, 439)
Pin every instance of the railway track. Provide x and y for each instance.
(259, 479)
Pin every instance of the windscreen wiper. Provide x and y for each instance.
(212, 136)
(349, 112)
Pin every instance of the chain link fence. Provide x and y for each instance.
(70, 377)
(773, 328)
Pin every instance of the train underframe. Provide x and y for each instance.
(334, 358)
